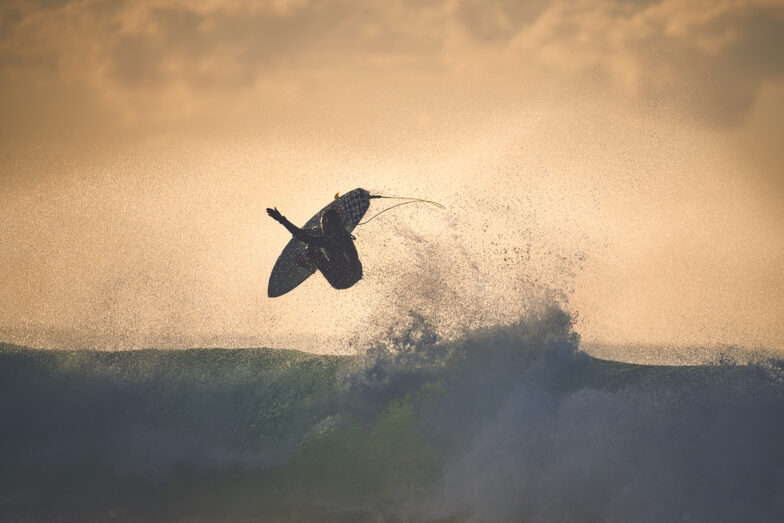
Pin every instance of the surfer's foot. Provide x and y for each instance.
(303, 262)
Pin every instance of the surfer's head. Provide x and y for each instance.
(331, 221)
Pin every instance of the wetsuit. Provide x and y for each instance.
(334, 255)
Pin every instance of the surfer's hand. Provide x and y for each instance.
(274, 214)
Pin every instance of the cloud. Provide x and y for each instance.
(498, 20)
(708, 58)
(156, 60)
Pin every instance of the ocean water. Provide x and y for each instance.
(509, 423)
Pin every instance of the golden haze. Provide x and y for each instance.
(627, 154)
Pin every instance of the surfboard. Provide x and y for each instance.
(288, 273)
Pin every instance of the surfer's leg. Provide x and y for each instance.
(316, 256)
(326, 267)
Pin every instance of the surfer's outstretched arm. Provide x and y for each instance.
(298, 233)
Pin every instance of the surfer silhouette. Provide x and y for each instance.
(332, 252)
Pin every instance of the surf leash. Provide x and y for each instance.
(409, 200)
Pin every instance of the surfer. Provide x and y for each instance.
(333, 252)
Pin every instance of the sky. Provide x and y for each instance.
(622, 158)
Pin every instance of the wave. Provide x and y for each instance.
(508, 423)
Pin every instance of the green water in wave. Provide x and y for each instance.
(505, 424)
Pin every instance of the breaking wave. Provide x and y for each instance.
(508, 423)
